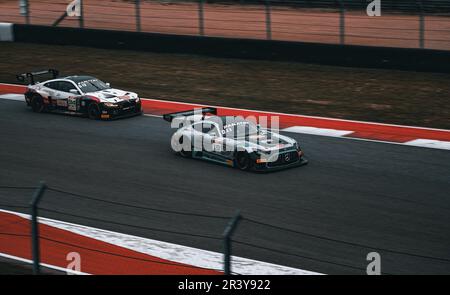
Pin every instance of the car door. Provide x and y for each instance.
(57, 99)
(197, 137)
(216, 148)
(65, 99)
(48, 93)
(201, 140)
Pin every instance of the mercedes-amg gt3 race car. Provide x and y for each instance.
(79, 95)
(232, 141)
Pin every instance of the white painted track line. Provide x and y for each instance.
(18, 97)
(435, 144)
(66, 270)
(317, 131)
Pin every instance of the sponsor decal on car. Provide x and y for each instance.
(72, 104)
(61, 102)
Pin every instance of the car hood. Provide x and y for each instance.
(266, 141)
(113, 95)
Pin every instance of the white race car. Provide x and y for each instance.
(232, 141)
(79, 95)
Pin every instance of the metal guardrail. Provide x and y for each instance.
(403, 23)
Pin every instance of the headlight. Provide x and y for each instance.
(110, 105)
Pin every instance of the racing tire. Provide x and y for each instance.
(139, 109)
(243, 161)
(93, 111)
(185, 141)
(37, 104)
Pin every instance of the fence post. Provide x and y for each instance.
(35, 228)
(421, 25)
(201, 20)
(268, 21)
(24, 10)
(81, 18)
(229, 230)
(138, 15)
(341, 22)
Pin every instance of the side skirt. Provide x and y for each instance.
(214, 158)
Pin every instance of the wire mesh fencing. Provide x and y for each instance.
(405, 23)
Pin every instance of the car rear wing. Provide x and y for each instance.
(202, 111)
(31, 75)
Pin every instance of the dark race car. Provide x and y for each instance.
(79, 95)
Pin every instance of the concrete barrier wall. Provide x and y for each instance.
(6, 32)
(355, 56)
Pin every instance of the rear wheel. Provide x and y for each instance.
(243, 161)
(37, 104)
(186, 147)
(93, 111)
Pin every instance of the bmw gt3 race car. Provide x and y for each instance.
(79, 95)
(232, 141)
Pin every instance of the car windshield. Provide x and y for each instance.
(239, 129)
(92, 85)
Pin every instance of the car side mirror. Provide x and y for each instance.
(108, 84)
(73, 91)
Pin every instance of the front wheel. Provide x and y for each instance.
(93, 111)
(243, 161)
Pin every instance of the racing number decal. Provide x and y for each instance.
(72, 103)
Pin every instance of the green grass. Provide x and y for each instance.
(388, 96)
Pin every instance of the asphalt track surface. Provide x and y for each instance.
(12, 267)
(383, 195)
